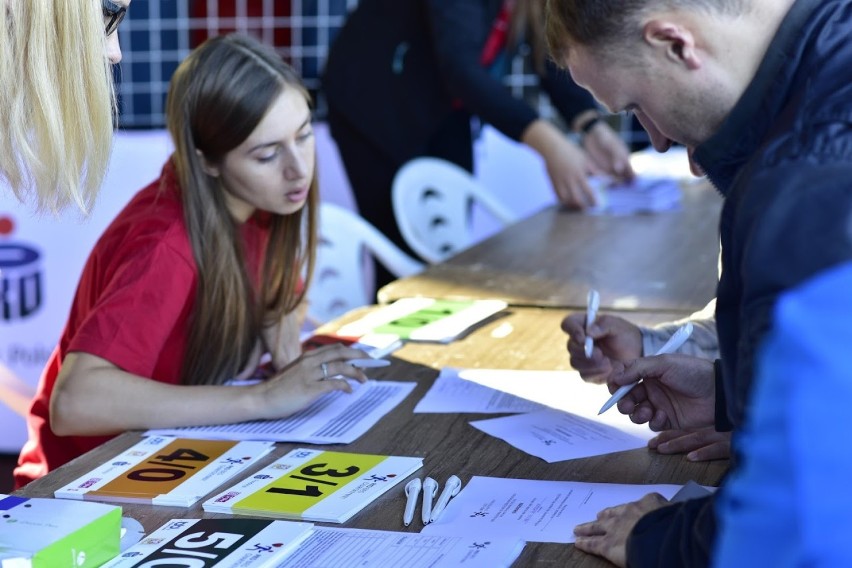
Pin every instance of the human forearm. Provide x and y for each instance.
(94, 397)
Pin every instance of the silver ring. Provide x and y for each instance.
(324, 367)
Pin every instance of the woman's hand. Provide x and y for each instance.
(608, 152)
(312, 375)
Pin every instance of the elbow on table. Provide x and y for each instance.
(66, 418)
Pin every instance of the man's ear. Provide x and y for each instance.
(674, 40)
(208, 167)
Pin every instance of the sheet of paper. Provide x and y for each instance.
(532, 510)
(450, 393)
(334, 418)
(555, 436)
(354, 548)
(562, 390)
(645, 194)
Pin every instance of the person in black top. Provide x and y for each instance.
(403, 79)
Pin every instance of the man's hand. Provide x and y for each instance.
(616, 340)
(676, 392)
(607, 536)
(699, 445)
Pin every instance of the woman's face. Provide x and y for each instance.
(273, 168)
(113, 49)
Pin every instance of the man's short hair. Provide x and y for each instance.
(612, 23)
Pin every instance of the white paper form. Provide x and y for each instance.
(351, 548)
(452, 394)
(532, 510)
(555, 436)
(562, 390)
(334, 418)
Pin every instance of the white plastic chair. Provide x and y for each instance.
(432, 202)
(339, 282)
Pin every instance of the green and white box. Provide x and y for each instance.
(57, 533)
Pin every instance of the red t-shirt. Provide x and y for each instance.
(132, 308)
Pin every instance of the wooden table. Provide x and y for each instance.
(525, 338)
(662, 261)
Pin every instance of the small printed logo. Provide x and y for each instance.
(89, 482)
(257, 547)
(305, 454)
(479, 514)
(375, 477)
(131, 554)
(227, 497)
(176, 525)
(235, 461)
(262, 476)
(21, 277)
(548, 442)
(152, 541)
(480, 545)
(120, 463)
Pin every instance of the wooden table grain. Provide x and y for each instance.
(522, 338)
(663, 261)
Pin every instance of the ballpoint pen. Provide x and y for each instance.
(451, 489)
(412, 492)
(672, 345)
(430, 487)
(593, 302)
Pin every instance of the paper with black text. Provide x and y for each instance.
(334, 418)
(555, 436)
(532, 510)
(355, 548)
(452, 394)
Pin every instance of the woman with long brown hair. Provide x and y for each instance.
(200, 274)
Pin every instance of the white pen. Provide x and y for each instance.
(593, 302)
(412, 492)
(451, 489)
(672, 345)
(430, 487)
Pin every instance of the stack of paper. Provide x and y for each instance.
(224, 543)
(642, 195)
(51, 532)
(334, 418)
(424, 319)
(162, 470)
(314, 485)
(356, 548)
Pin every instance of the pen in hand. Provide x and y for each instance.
(673, 344)
(593, 302)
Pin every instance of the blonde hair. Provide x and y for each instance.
(57, 101)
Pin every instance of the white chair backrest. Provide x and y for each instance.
(432, 201)
(339, 282)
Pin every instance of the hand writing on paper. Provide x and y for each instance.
(676, 392)
(704, 444)
(607, 535)
(616, 340)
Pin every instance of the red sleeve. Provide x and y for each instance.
(141, 313)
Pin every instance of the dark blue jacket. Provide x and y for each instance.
(783, 161)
